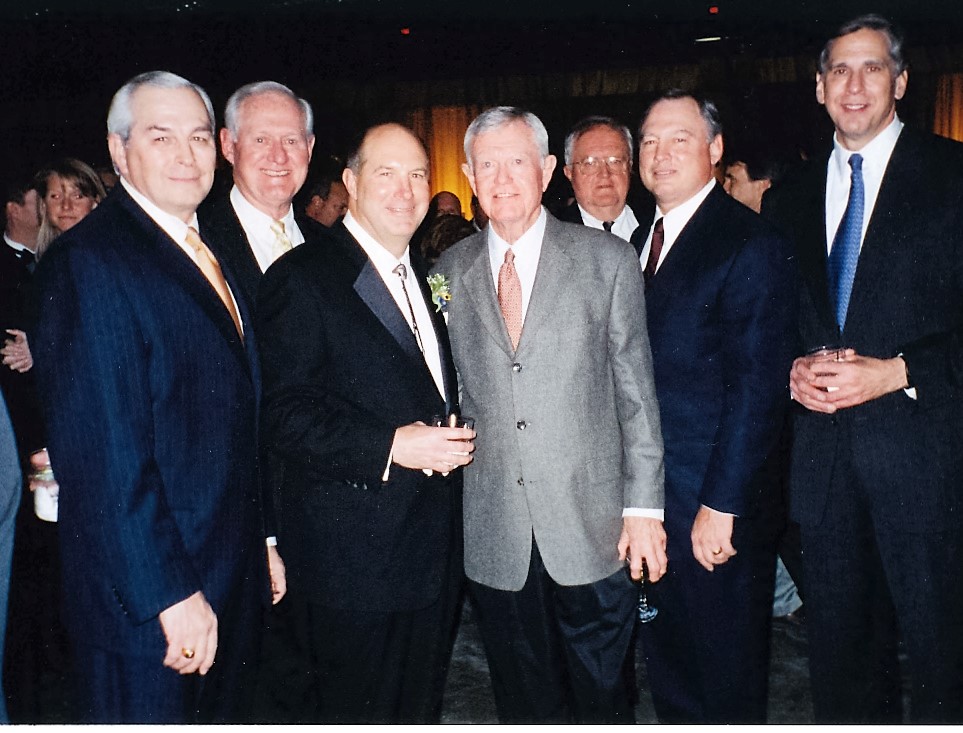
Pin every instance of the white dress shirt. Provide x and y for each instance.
(876, 155)
(673, 223)
(17, 247)
(623, 226)
(528, 248)
(385, 263)
(257, 227)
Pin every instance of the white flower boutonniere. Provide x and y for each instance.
(440, 292)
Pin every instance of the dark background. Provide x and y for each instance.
(63, 59)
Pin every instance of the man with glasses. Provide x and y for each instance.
(598, 157)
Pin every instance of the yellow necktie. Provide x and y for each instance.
(282, 243)
(212, 271)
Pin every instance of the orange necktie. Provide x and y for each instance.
(510, 297)
(212, 271)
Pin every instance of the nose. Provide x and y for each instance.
(185, 153)
(66, 201)
(501, 174)
(854, 82)
(727, 185)
(277, 153)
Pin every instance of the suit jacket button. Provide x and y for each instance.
(516, 367)
(521, 425)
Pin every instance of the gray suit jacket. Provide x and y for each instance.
(568, 425)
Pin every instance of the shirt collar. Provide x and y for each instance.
(253, 219)
(876, 153)
(530, 241)
(383, 261)
(592, 221)
(674, 222)
(16, 245)
(172, 226)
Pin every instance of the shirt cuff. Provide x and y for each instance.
(648, 513)
(271, 541)
(384, 476)
(726, 514)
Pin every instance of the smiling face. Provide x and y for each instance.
(169, 156)
(601, 193)
(271, 153)
(389, 194)
(859, 88)
(509, 176)
(64, 203)
(676, 158)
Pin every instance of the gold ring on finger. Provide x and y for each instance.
(188, 653)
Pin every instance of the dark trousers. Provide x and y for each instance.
(707, 651)
(558, 653)
(863, 573)
(380, 667)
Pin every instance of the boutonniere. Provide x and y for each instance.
(440, 292)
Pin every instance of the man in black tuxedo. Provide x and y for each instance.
(355, 362)
(878, 451)
(148, 374)
(720, 304)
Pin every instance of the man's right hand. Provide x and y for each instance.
(425, 448)
(191, 630)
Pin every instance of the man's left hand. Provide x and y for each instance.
(860, 379)
(279, 583)
(712, 538)
(643, 538)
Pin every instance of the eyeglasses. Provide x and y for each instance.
(591, 165)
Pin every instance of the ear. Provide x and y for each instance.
(715, 149)
(900, 86)
(821, 89)
(310, 147)
(227, 145)
(118, 153)
(548, 168)
(351, 183)
(470, 175)
(567, 170)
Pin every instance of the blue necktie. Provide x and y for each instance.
(845, 252)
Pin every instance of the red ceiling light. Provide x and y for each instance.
(713, 10)
(406, 31)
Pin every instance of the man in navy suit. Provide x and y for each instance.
(878, 450)
(148, 376)
(356, 361)
(720, 305)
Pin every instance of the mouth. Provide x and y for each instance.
(275, 174)
(855, 107)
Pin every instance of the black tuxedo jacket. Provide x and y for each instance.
(150, 398)
(907, 299)
(343, 371)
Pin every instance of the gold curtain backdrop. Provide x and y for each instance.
(443, 131)
(948, 111)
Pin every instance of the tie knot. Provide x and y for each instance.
(278, 228)
(607, 225)
(193, 238)
(659, 226)
(856, 162)
(401, 271)
(509, 256)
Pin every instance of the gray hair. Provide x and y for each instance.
(872, 22)
(120, 116)
(233, 107)
(492, 119)
(707, 110)
(590, 123)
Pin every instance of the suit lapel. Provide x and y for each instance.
(884, 239)
(811, 245)
(181, 268)
(554, 265)
(372, 290)
(479, 290)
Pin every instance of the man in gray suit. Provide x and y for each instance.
(567, 482)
